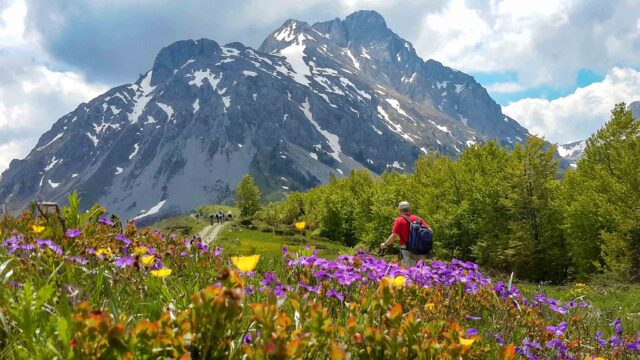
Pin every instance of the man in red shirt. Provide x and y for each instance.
(401, 231)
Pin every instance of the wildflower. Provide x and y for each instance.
(218, 251)
(139, 250)
(466, 342)
(16, 284)
(50, 245)
(124, 239)
(147, 259)
(499, 339)
(161, 272)
(429, 306)
(245, 263)
(106, 221)
(558, 309)
(102, 252)
(470, 317)
(617, 324)
(397, 281)
(471, 332)
(301, 225)
(79, 260)
(559, 329)
(336, 294)
(37, 229)
(73, 233)
(124, 262)
(247, 339)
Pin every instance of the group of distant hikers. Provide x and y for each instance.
(219, 217)
(414, 234)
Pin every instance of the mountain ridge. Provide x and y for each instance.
(314, 101)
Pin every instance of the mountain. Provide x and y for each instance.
(635, 109)
(314, 101)
(574, 151)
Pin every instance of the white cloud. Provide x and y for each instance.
(545, 42)
(32, 96)
(578, 115)
(505, 87)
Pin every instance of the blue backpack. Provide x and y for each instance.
(420, 237)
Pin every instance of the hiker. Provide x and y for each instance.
(221, 216)
(401, 230)
(211, 218)
(229, 216)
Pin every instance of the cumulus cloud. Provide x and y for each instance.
(32, 96)
(545, 42)
(578, 115)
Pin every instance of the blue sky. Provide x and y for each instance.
(556, 66)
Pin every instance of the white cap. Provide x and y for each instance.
(404, 205)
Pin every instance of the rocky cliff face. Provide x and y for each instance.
(313, 101)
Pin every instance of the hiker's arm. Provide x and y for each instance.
(390, 240)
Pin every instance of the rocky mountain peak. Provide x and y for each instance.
(177, 54)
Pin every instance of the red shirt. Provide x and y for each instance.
(401, 227)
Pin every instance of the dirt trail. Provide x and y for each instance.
(210, 232)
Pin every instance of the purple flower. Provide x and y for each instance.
(17, 284)
(471, 332)
(599, 339)
(124, 239)
(617, 324)
(247, 339)
(470, 317)
(532, 344)
(124, 262)
(499, 339)
(558, 330)
(558, 309)
(285, 249)
(218, 251)
(90, 251)
(73, 233)
(41, 243)
(336, 294)
(79, 260)
(105, 221)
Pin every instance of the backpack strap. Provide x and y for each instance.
(407, 218)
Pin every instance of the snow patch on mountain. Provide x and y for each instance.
(332, 139)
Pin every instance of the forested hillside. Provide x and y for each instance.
(511, 211)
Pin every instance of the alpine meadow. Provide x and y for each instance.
(331, 191)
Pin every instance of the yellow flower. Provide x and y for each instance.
(594, 358)
(161, 272)
(301, 225)
(466, 342)
(103, 251)
(429, 306)
(245, 263)
(37, 229)
(147, 259)
(399, 281)
(140, 250)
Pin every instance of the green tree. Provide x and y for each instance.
(603, 201)
(537, 246)
(247, 197)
